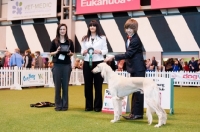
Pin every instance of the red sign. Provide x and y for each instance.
(173, 3)
(97, 6)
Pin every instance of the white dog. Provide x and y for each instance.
(120, 86)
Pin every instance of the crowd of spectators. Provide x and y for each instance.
(174, 64)
(171, 64)
(35, 60)
(25, 60)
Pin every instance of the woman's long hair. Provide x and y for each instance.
(98, 32)
(58, 34)
(28, 51)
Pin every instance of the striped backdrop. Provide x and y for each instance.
(37, 37)
(162, 32)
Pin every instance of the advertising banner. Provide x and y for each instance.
(97, 6)
(33, 78)
(26, 9)
(185, 76)
(157, 4)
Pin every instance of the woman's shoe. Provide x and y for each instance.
(64, 109)
(88, 109)
(58, 109)
(97, 109)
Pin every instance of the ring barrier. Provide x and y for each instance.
(43, 77)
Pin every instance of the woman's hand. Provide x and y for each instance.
(58, 49)
(85, 52)
(55, 52)
(70, 53)
(97, 52)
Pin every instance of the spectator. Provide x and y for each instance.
(153, 64)
(77, 64)
(193, 65)
(148, 64)
(169, 64)
(39, 63)
(50, 65)
(16, 59)
(33, 60)
(176, 67)
(6, 59)
(186, 67)
(27, 59)
(198, 63)
(81, 64)
(181, 61)
(160, 68)
(180, 65)
(46, 63)
(0, 62)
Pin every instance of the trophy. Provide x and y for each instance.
(90, 52)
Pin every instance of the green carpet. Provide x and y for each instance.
(16, 115)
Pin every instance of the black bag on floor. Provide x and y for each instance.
(43, 104)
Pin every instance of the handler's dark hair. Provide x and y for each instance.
(131, 23)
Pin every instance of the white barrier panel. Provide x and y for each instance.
(166, 89)
(33, 78)
(6, 77)
(108, 105)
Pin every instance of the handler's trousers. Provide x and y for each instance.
(137, 102)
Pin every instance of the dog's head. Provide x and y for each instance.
(101, 67)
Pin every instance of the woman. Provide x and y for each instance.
(198, 63)
(186, 67)
(169, 64)
(176, 66)
(33, 60)
(94, 39)
(62, 66)
(46, 63)
(5, 60)
(77, 64)
(28, 59)
(148, 65)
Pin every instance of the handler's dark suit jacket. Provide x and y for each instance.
(133, 55)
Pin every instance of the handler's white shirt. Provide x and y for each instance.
(99, 43)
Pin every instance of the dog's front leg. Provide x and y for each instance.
(116, 105)
(119, 108)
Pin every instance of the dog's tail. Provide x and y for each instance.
(153, 101)
(151, 98)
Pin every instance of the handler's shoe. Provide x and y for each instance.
(133, 117)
